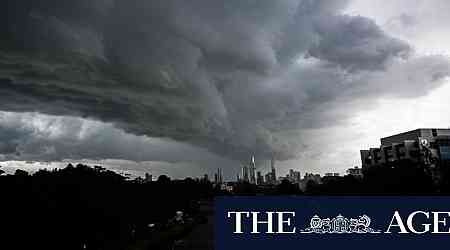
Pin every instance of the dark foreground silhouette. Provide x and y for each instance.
(94, 208)
(86, 207)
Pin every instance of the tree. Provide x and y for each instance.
(288, 188)
(20, 172)
(163, 179)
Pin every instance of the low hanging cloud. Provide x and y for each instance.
(234, 77)
(31, 136)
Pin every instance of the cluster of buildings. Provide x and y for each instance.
(147, 178)
(429, 147)
(309, 177)
(218, 177)
(355, 172)
(250, 175)
(248, 172)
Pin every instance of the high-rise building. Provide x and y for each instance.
(218, 178)
(271, 177)
(252, 171)
(245, 176)
(273, 171)
(148, 178)
(259, 178)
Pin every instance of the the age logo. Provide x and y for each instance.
(340, 224)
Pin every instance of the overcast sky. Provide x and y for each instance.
(184, 87)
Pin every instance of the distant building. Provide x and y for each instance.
(271, 177)
(309, 177)
(148, 178)
(218, 177)
(355, 172)
(330, 177)
(283, 178)
(272, 167)
(332, 174)
(248, 172)
(294, 176)
(252, 171)
(245, 174)
(268, 178)
(227, 187)
(250, 175)
(259, 178)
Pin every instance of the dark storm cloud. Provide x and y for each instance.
(235, 77)
(33, 136)
(356, 43)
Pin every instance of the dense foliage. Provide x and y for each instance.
(88, 208)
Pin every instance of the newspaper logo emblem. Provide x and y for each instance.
(340, 224)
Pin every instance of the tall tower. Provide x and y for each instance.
(218, 178)
(252, 170)
(245, 173)
(272, 166)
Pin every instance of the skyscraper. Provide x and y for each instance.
(252, 171)
(218, 178)
(245, 173)
(272, 166)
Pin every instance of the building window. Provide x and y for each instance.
(434, 132)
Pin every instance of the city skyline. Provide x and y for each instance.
(426, 150)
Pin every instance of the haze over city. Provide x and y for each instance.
(185, 87)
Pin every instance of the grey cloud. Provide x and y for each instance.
(228, 76)
(34, 136)
(54, 141)
(356, 43)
